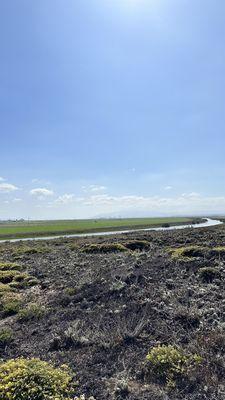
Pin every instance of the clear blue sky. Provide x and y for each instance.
(112, 107)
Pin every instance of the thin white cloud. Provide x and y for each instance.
(7, 187)
(68, 199)
(40, 181)
(2, 179)
(94, 188)
(41, 192)
(192, 194)
(168, 187)
(17, 200)
(69, 206)
(187, 203)
(65, 199)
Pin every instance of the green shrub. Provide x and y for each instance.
(104, 248)
(31, 281)
(10, 273)
(169, 363)
(6, 336)
(23, 284)
(26, 250)
(7, 266)
(31, 312)
(187, 253)
(218, 252)
(4, 288)
(23, 379)
(8, 276)
(10, 304)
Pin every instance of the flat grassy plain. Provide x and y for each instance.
(23, 229)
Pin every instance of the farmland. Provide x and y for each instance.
(22, 229)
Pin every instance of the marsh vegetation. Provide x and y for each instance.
(136, 316)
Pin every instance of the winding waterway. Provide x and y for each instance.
(208, 223)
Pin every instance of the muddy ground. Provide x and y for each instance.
(101, 312)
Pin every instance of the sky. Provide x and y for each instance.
(112, 108)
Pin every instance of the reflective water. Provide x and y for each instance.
(209, 222)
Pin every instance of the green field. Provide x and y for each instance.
(23, 229)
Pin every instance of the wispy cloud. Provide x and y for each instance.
(168, 187)
(94, 188)
(7, 187)
(68, 199)
(65, 199)
(187, 203)
(41, 192)
(40, 181)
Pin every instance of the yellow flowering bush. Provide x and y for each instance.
(170, 363)
(33, 379)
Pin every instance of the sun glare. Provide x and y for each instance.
(137, 5)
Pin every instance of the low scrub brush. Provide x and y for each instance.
(33, 379)
(169, 364)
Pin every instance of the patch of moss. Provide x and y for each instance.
(10, 304)
(9, 276)
(217, 252)
(31, 312)
(187, 253)
(24, 283)
(4, 288)
(16, 279)
(7, 266)
(26, 250)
